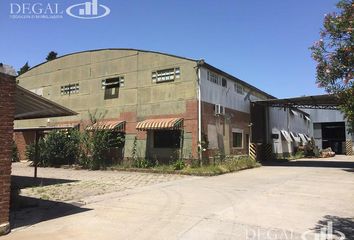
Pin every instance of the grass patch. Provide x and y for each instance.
(230, 164)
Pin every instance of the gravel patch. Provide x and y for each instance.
(70, 185)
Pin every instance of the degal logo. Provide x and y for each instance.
(88, 10)
(41, 10)
(326, 233)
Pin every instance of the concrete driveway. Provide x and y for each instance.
(279, 201)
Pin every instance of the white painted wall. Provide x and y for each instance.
(227, 97)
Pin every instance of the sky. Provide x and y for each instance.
(265, 43)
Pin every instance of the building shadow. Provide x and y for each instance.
(24, 182)
(340, 225)
(29, 211)
(309, 163)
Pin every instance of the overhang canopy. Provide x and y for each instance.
(295, 137)
(303, 138)
(108, 125)
(286, 135)
(310, 102)
(156, 124)
(29, 105)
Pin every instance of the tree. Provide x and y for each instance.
(334, 54)
(51, 56)
(23, 69)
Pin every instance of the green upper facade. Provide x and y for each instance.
(116, 80)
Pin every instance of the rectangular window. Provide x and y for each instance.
(166, 75)
(111, 87)
(70, 89)
(238, 88)
(167, 138)
(237, 138)
(224, 82)
(214, 78)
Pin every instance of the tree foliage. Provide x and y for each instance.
(334, 56)
(51, 56)
(23, 69)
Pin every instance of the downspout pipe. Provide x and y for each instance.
(199, 109)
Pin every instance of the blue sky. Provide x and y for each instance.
(262, 42)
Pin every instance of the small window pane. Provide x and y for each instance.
(237, 140)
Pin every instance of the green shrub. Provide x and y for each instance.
(56, 148)
(96, 144)
(179, 164)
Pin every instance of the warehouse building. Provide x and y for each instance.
(165, 105)
(169, 107)
(286, 124)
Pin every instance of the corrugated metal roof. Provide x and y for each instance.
(29, 105)
(310, 102)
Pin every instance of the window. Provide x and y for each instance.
(70, 89)
(166, 75)
(167, 138)
(111, 87)
(238, 88)
(112, 81)
(237, 138)
(212, 77)
(116, 139)
(224, 82)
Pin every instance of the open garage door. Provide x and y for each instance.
(333, 136)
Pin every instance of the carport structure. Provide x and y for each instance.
(321, 111)
(306, 102)
(17, 103)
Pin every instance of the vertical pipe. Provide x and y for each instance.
(199, 117)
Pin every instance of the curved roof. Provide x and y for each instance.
(200, 62)
(107, 49)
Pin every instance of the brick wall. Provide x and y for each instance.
(7, 109)
(225, 124)
(23, 139)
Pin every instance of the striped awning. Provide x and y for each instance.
(107, 125)
(164, 123)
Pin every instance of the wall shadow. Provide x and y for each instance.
(29, 211)
(309, 163)
(340, 224)
(24, 182)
